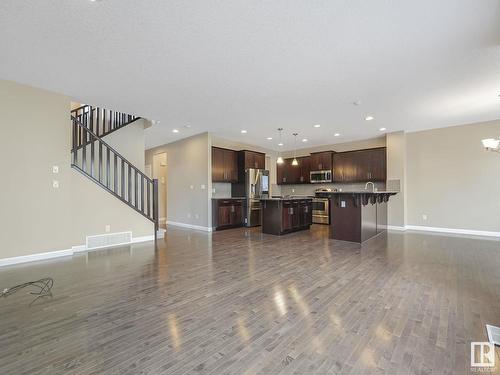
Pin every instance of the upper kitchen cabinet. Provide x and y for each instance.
(224, 165)
(360, 165)
(293, 174)
(305, 169)
(251, 159)
(321, 161)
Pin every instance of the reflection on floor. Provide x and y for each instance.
(237, 302)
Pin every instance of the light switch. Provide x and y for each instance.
(55, 184)
(202, 187)
(191, 187)
(55, 169)
(163, 180)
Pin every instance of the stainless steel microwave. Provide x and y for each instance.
(317, 177)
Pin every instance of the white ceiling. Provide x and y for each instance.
(224, 66)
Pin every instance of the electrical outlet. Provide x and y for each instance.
(293, 190)
(191, 187)
(213, 190)
(107, 228)
(55, 169)
(55, 184)
(342, 204)
(424, 217)
(202, 187)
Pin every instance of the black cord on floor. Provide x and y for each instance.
(44, 288)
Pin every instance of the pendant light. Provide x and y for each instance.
(280, 159)
(294, 161)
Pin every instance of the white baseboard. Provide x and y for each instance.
(395, 227)
(190, 226)
(67, 252)
(35, 257)
(467, 232)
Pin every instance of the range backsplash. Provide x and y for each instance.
(309, 189)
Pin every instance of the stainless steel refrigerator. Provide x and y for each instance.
(254, 187)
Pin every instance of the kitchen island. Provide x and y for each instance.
(357, 216)
(286, 215)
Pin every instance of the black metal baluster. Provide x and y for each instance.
(123, 180)
(103, 122)
(155, 205)
(129, 195)
(98, 124)
(84, 150)
(91, 155)
(142, 193)
(148, 198)
(136, 187)
(75, 140)
(99, 160)
(107, 167)
(115, 167)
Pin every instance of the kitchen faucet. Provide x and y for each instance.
(373, 186)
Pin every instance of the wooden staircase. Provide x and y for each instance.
(101, 163)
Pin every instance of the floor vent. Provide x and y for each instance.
(108, 239)
(493, 334)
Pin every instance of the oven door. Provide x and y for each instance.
(321, 211)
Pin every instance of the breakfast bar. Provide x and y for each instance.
(358, 215)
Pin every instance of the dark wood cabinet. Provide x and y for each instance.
(251, 159)
(321, 161)
(227, 213)
(305, 213)
(305, 169)
(287, 173)
(286, 212)
(282, 216)
(360, 165)
(224, 165)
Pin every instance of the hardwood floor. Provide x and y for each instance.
(240, 302)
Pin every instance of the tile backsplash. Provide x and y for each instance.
(221, 190)
(309, 189)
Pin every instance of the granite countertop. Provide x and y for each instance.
(360, 192)
(225, 199)
(287, 199)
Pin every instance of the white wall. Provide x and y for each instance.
(396, 178)
(452, 179)
(189, 164)
(35, 217)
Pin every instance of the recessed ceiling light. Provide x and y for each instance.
(336, 135)
(317, 126)
(269, 138)
(187, 126)
(382, 129)
(175, 131)
(280, 144)
(243, 132)
(369, 118)
(304, 140)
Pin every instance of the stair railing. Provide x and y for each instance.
(100, 162)
(101, 121)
